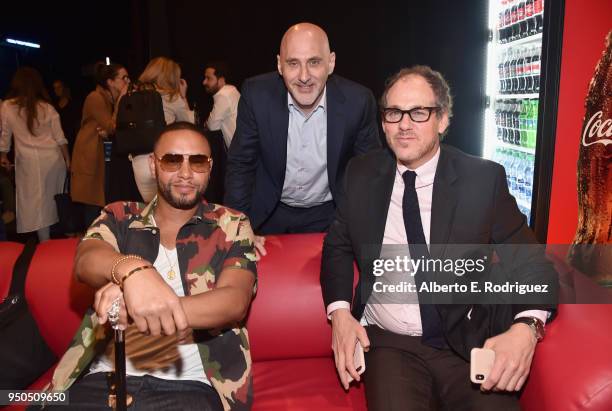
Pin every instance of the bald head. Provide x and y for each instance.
(305, 32)
(305, 62)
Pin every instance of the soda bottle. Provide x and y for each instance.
(510, 171)
(520, 65)
(533, 125)
(502, 120)
(507, 78)
(501, 23)
(527, 72)
(508, 122)
(591, 252)
(514, 22)
(522, 22)
(520, 177)
(514, 88)
(538, 8)
(498, 129)
(535, 69)
(531, 22)
(507, 23)
(500, 72)
(528, 179)
(516, 122)
(523, 122)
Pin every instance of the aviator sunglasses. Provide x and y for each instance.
(199, 163)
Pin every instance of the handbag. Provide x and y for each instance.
(69, 213)
(24, 354)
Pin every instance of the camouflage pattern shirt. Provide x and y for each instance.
(215, 238)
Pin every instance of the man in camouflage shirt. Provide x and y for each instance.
(187, 286)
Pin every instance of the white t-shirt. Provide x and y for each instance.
(160, 357)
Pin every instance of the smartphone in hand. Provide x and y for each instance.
(358, 360)
(481, 363)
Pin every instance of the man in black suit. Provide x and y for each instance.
(431, 197)
(294, 136)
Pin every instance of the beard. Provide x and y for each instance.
(212, 89)
(180, 201)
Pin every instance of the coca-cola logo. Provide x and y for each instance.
(596, 130)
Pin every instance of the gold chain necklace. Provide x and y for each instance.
(170, 275)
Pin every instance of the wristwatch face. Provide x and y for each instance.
(539, 329)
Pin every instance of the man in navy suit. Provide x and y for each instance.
(294, 136)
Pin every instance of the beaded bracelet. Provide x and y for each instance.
(119, 261)
(135, 270)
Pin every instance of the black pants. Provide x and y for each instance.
(287, 220)
(404, 374)
(149, 394)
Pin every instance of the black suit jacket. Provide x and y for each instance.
(257, 156)
(470, 205)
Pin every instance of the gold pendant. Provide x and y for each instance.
(170, 275)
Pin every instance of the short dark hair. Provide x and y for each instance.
(221, 69)
(180, 125)
(434, 78)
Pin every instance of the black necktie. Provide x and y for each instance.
(430, 318)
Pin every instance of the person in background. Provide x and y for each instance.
(165, 75)
(68, 110)
(221, 123)
(7, 196)
(97, 123)
(41, 151)
(225, 96)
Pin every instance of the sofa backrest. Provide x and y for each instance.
(9, 252)
(287, 318)
(56, 299)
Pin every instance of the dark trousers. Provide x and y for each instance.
(404, 374)
(149, 394)
(286, 219)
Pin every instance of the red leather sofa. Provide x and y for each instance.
(293, 367)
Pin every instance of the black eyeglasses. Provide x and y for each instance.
(199, 163)
(417, 114)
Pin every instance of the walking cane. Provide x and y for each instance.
(118, 399)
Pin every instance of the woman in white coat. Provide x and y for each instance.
(41, 151)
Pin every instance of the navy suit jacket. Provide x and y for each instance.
(257, 156)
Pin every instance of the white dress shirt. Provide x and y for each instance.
(224, 112)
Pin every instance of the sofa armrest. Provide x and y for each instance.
(572, 367)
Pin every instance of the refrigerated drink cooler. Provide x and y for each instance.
(513, 93)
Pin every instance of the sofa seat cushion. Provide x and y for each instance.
(303, 385)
